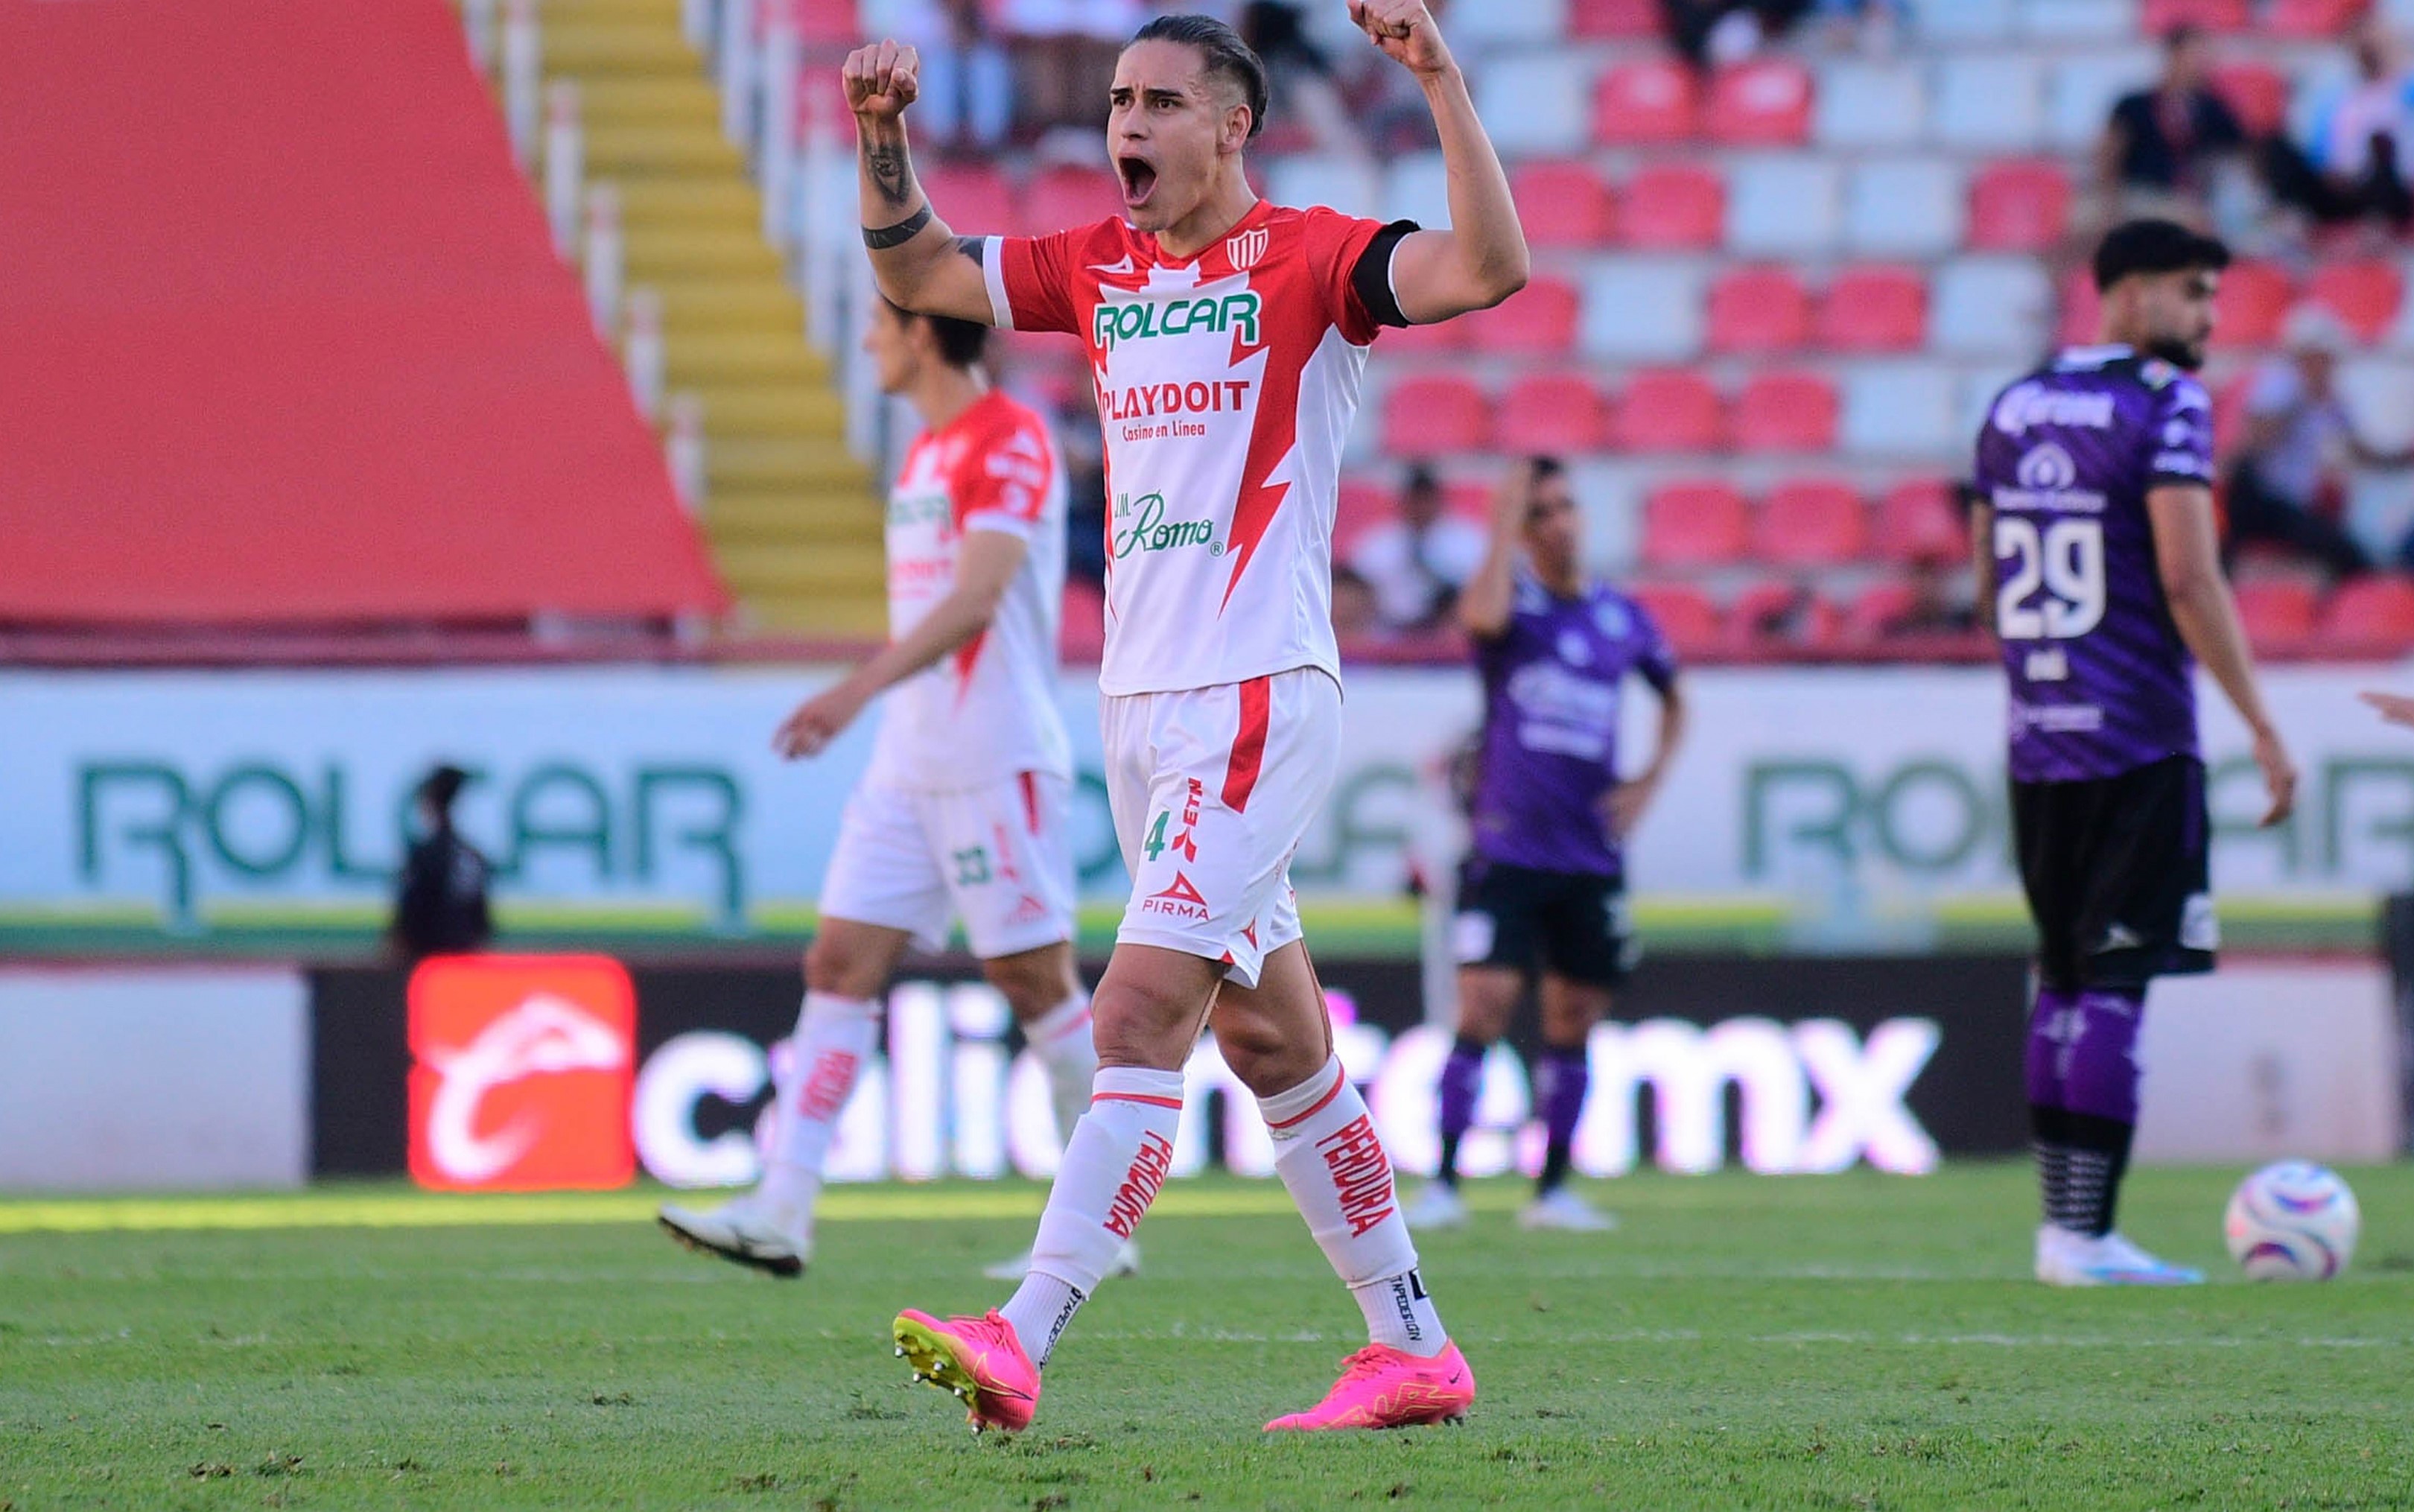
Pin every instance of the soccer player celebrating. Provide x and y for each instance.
(1546, 880)
(964, 810)
(2095, 543)
(1226, 337)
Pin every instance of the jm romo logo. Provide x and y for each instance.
(522, 1069)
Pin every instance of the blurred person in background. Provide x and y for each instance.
(2162, 146)
(2352, 165)
(1717, 32)
(1417, 563)
(1355, 616)
(967, 77)
(1065, 52)
(2287, 483)
(1305, 85)
(1543, 889)
(441, 908)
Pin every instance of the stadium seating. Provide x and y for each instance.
(2160, 16)
(1636, 311)
(1674, 205)
(1614, 20)
(1540, 318)
(1788, 205)
(1779, 615)
(2255, 93)
(1069, 196)
(2364, 294)
(2254, 301)
(1082, 636)
(1759, 309)
(1667, 410)
(1685, 615)
(1785, 411)
(1908, 207)
(1874, 309)
(2279, 613)
(1863, 105)
(1561, 414)
(1811, 523)
(1655, 102)
(1562, 206)
(2020, 206)
(979, 198)
(1919, 523)
(1764, 103)
(1434, 416)
(2311, 20)
(2372, 615)
(1694, 525)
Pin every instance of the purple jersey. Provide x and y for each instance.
(1550, 686)
(2100, 680)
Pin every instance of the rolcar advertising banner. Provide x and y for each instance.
(1851, 809)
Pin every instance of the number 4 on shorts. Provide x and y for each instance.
(1154, 845)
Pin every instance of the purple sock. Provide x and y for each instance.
(2049, 1021)
(1462, 1078)
(2099, 1064)
(1561, 1078)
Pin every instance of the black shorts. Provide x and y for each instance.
(1574, 924)
(2118, 876)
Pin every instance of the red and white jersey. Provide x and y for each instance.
(1225, 386)
(988, 711)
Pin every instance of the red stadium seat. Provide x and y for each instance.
(1563, 204)
(1759, 309)
(1785, 413)
(1619, 20)
(2364, 293)
(1645, 103)
(1700, 524)
(2080, 308)
(2310, 21)
(1435, 415)
(1684, 614)
(975, 200)
(2256, 94)
(1082, 636)
(828, 24)
(2022, 207)
(1920, 523)
(1880, 611)
(1363, 504)
(2278, 612)
(1764, 103)
(1555, 413)
(1874, 309)
(2254, 300)
(1667, 410)
(1540, 318)
(1674, 205)
(1067, 195)
(1440, 337)
(1780, 616)
(2371, 615)
(1811, 523)
(2162, 16)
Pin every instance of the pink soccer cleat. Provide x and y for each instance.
(979, 1359)
(1385, 1388)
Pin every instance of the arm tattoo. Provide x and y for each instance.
(975, 247)
(893, 175)
(882, 237)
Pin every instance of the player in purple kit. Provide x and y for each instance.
(1545, 882)
(2096, 545)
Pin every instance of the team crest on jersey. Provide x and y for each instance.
(1245, 250)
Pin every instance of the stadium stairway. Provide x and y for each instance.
(794, 521)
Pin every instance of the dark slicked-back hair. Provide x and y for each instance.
(1224, 53)
(961, 343)
(2151, 246)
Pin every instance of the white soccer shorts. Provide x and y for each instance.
(1000, 857)
(1212, 790)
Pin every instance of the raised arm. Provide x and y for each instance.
(1482, 259)
(2187, 556)
(1490, 596)
(919, 264)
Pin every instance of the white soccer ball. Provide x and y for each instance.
(2293, 1221)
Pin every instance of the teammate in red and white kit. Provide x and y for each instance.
(1226, 338)
(962, 810)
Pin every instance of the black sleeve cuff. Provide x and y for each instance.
(1371, 280)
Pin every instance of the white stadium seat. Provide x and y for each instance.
(2078, 21)
(1784, 206)
(1962, 21)
(1525, 22)
(1860, 104)
(1536, 104)
(1611, 491)
(1989, 104)
(1904, 208)
(2398, 13)
(1991, 306)
(1417, 188)
(1328, 179)
(1974, 396)
(1642, 311)
(1898, 409)
(2086, 87)
(2379, 392)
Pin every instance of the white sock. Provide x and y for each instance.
(834, 1038)
(1329, 1156)
(1060, 1037)
(1114, 1163)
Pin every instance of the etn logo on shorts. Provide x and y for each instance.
(521, 1072)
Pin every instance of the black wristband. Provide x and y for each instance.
(899, 234)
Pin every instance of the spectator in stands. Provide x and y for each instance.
(967, 101)
(2160, 149)
(1417, 563)
(2363, 135)
(1306, 88)
(1355, 616)
(2287, 483)
(442, 906)
(1085, 483)
(1065, 52)
(1715, 32)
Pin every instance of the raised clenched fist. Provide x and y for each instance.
(882, 81)
(1405, 30)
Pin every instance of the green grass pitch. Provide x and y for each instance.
(1850, 1342)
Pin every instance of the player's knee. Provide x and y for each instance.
(1261, 1057)
(833, 964)
(1131, 1025)
(1032, 989)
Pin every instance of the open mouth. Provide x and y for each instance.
(1139, 181)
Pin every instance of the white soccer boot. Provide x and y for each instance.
(1560, 1209)
(2065, 1258)
(1439, 1206)
(747, 1229)
(1126, 1264)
